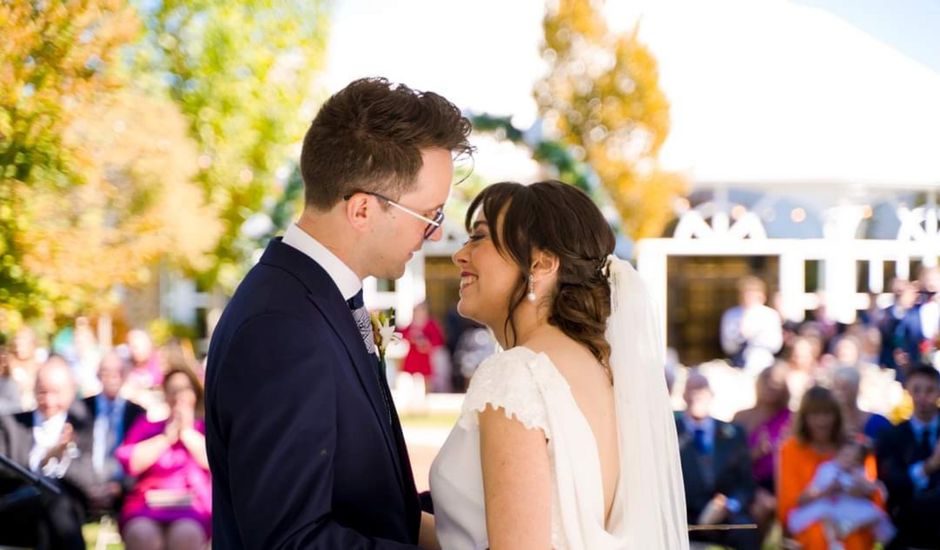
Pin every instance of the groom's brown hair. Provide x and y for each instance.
(369, 137)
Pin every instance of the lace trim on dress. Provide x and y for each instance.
(510, 380)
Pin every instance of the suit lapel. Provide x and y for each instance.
(722, 448)
(910, 443)
(365, 364)
(696, 468)
(22, 439)
(325, 296)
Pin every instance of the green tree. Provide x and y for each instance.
(602, 95)
(243, 74)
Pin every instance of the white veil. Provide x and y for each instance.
(649, 510)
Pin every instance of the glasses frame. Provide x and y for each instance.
(433, 224)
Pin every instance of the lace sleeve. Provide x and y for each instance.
(507, 380)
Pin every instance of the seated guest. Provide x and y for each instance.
(817, 436)
(716, 469)
(844, 511)
(909, 464)
(52, 441)
(919, 330)
(170, 505)
(845, 385)
(905, 298)
(25, 360)
(766, 425)
(111, 417)
(803, 367)
(145, 372)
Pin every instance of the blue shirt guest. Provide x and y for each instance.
(716, 469)
(112, 415)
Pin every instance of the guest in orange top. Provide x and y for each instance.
(818, 433)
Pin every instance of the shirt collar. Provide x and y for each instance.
(54, 423)
(102, 401)
(345, 278)
(707, 424)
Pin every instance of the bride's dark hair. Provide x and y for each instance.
(560, 219)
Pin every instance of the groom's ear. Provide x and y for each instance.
(358, 209)
(544, 264)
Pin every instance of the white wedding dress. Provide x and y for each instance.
(523, 383)
(648, 510)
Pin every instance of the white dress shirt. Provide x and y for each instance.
(757, 330)
(46, 434)
(930, 319)
(345, 278)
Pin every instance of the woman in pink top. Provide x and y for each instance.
(170, 505)
(767, 425)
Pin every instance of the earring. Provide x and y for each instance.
(531, 295)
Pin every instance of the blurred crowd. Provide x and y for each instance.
(115, 433)
(821, 434)
(441, 358)
(824, 435)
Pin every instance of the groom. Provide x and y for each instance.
(304, 442)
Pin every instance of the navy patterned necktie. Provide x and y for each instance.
(363, 321)
(698, 439)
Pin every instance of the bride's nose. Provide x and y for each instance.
(460, 257)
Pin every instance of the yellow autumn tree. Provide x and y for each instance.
(54, 58)
(601, 94)
(95, 177)
(137, 203)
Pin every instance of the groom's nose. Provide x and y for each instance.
(437, 235)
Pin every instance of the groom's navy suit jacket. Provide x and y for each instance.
(303, 451)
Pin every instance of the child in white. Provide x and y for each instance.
(846, 513)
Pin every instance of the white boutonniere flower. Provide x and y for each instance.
(383, 330)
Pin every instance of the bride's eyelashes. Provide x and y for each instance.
(474, 238)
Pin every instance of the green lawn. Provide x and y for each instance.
(90, 532)
(429, 420)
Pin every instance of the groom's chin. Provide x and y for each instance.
(390, 272)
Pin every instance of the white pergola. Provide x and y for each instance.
(788, 100)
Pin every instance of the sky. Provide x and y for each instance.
(911, 26)
(484, 56)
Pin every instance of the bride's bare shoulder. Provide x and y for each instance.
(572, 360)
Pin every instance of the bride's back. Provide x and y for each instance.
(594, 395)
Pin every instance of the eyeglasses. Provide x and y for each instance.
(433, 224)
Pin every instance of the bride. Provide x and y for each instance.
(566, 439)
